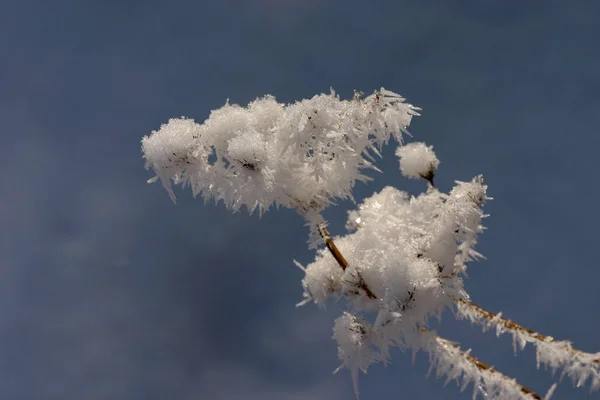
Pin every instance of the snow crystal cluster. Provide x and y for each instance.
(300, 155)
(403, 258)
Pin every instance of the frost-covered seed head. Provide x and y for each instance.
(417, 160)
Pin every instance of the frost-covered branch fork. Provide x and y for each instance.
(437, 340)
(570, 359)
(477, 314)
(405, 263)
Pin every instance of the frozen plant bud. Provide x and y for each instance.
(418, 160)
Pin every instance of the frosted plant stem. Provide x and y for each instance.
(507, 323)
(335, 252)
(513, 326)
(576, 364)
(444, 343)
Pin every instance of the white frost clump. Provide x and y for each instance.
(407, 251)
(301, 155)
(357, 350)
(417, 160)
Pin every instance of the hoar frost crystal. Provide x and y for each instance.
(403, 258)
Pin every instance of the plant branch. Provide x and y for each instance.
(497, 319)
(444, 343)
(578, 365)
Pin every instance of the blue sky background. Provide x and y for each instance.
(109, 291)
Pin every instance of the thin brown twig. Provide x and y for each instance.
(335, 252)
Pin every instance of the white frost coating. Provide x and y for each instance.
(403, 258)
(417, 160)
(324, 280)
(301, 155)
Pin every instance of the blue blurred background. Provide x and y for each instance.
(109, 291)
